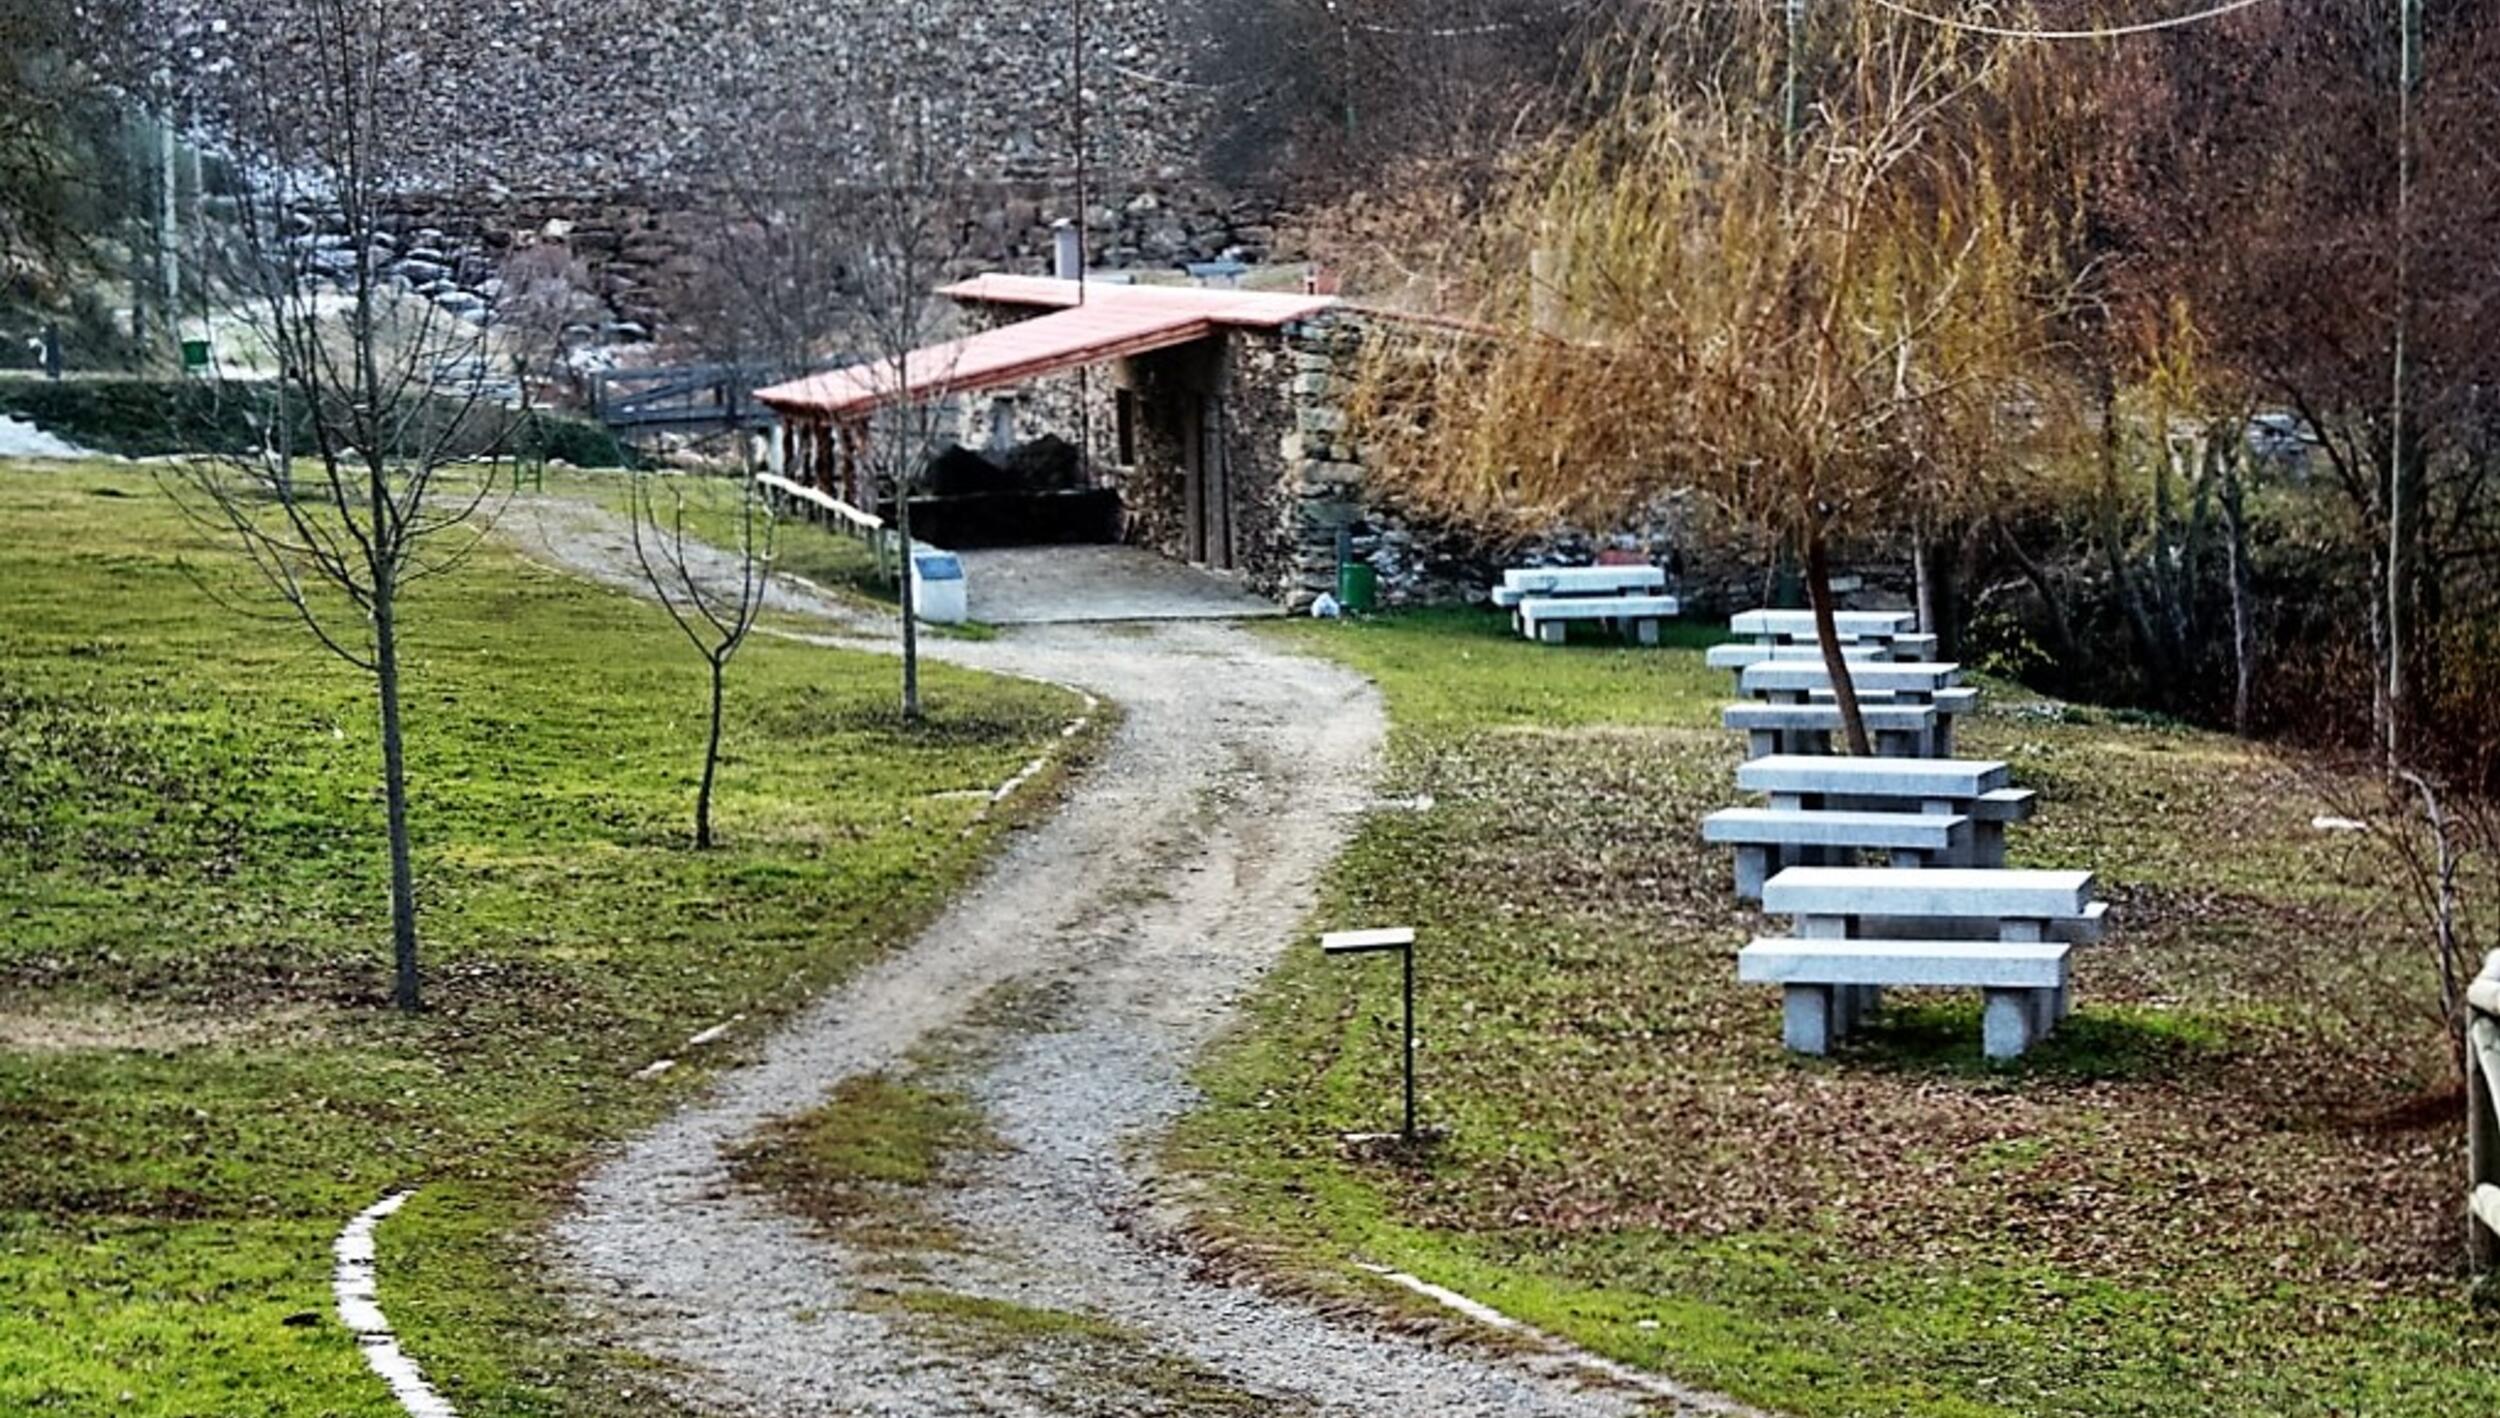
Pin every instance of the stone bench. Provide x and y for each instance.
(1799, 625)
(1949, 704)
(1797, 679)
(1934, 783)
(1831, 986)
(1520, 583)
(1899, 730)
(1546, 619)
(1875, 910)
(1737, 657)
(1881, 647)
(1761, 837)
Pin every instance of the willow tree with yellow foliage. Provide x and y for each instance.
(1836, 335)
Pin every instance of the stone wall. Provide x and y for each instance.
(620, 124)
(641, 256)
(605, 97)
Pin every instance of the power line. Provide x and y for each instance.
(2109, 32)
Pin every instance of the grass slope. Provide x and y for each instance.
(2178, 1206)
(198, 1083)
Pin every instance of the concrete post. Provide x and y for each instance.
(1067, 251)
(2482, 1138)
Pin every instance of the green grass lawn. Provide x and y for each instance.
(839, 563)
(199, 1081)
(2194, 1200)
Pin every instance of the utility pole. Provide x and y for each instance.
(1076, 96)
(168, 225)
(2404, 490)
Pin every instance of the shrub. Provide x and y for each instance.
(146, 418)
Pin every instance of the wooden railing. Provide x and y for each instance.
(827, 510)
(2482, 1116)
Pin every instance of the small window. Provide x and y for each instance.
(1124, 426)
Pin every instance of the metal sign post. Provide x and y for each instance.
(1402, 940)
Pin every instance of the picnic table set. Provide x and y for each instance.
(1943, 911)
(1543, 601)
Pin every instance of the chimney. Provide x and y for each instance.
(1067, 250)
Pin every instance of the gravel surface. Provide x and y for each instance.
(1183, 862)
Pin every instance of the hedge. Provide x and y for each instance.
(146, 418)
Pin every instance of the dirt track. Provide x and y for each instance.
(1183, 862)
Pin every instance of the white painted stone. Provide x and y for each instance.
(1946, 892)
(354, 1288)
(1959, 778)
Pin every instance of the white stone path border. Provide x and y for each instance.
(1686, 1400)
(355, 1283)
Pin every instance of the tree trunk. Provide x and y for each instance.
(2243, 631)
(2061, 629)
(2139, 622)
(911, 620)
(1827, 632)
(711, 764)
(404, 992)
(2404, 555)
(1923, 580)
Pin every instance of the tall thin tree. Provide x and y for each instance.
(714, 595)
(389, 398)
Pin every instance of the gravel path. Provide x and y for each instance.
(1185, 860)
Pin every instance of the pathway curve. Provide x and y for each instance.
(1183, 862)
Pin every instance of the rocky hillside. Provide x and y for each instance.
(596, 97)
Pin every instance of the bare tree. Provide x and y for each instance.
(861, 201)
(1836, 336)
(715, 612)
(386, 396)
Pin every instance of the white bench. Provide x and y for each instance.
(1830, 986)
(1737, 657)
(1950, 705)
(1799, 625)
(1523, 582)
(1546, 619)
(1939, 780)
(1834, 968)
(1796, 679)
(1761, 835)
(1900, 730)
(1978, 789)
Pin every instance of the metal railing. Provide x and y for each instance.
(2482, 1117)
(687, 397)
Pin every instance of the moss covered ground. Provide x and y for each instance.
(199, 1077)
(2230, 1186)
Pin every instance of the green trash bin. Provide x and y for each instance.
(195, 357)
(1358, 587)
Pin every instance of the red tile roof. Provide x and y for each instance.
(1113, 321)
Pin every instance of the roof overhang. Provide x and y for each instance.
(1088, 324)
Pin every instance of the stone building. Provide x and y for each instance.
(1208, 425)
(1214, 417)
